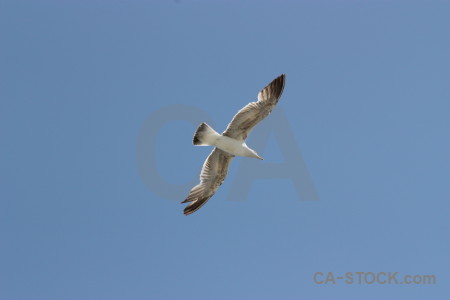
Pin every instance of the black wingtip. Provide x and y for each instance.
(280, 82)
(195, 205)
(275, 89)
(280, 78)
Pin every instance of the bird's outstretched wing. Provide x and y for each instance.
(254, 112)
(214, 171)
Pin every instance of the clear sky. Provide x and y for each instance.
(367, 98)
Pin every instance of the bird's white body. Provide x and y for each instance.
(209, 137)
(230, 143)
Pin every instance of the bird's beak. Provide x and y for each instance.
(259, 157)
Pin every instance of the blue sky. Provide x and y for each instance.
(367, 97)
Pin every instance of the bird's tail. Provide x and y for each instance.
(205, 136)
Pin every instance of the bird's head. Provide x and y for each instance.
(255, 155)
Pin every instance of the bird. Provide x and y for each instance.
(230, 143)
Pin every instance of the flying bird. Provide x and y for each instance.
(230, 143)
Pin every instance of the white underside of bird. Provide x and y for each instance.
(230, 143)
(206, 136)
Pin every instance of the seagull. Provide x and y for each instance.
(230, 143)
